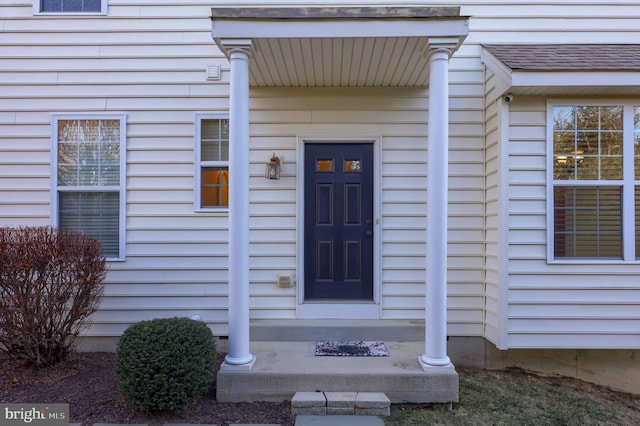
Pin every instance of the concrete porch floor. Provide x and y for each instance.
(286, 363)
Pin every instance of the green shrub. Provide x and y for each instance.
(51, 280)
(165, 363)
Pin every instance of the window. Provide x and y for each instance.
(88, 178)
(212, 162)
(70, 6)
(595, 180)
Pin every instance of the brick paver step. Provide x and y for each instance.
(341, 403)
(309, 403)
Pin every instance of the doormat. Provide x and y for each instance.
(350, 348)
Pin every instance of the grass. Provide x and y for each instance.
(518, 398)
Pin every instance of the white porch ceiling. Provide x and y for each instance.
(339, 62)
(334, 47)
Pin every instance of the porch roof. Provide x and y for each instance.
(338, 46)
(565, 69)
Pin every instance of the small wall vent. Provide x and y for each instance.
(213, 73)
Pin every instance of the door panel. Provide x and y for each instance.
(338, 208)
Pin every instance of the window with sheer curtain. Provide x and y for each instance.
(595, 180)
(212, 162)
(89, 180)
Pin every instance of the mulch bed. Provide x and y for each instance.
(88, 383)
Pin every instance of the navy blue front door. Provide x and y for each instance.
(338, 221)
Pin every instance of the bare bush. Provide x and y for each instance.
(50, 282)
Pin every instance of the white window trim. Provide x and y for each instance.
(37, 11)
(627, 183)
(197, 173)
(123, 173)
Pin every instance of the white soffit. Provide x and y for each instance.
(338, 47)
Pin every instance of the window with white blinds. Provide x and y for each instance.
(594, 149)
(212, 162)
(588, 221)
(89, 178)
(70, 6)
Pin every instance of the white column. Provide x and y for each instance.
(435, 354)
(239, 356)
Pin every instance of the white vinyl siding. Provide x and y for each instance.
(495, 211)
(465, 286)
(279, 116)
(529, 303)
(555, 305)
(149, 61)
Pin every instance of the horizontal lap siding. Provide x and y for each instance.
(147, 62)
(493, 213)
(527, 207)
(404, 201)
(531, 303)
(272, 210)
(557, 306)
(561, 21)
(399, 117)
(466, 194)
(403, 206)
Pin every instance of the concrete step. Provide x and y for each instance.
(341, 403)
(284, 368)
(328, 329)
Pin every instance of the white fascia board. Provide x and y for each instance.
(574, 78)
(253, 28)
(503, 73)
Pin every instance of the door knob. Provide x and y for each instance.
(369, 233)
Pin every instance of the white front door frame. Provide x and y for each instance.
(333, 309)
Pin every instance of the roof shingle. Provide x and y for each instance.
(567, 57)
